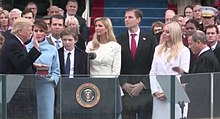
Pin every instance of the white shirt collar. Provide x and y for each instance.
(203, 50)
(67, 16)
(54, 39)
(214, 46)
(66, 51)
(136, 37)
(19, 39)
(71, 59)
(137, 33)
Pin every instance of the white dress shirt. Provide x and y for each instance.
(136, 37)
(54, 41)
(71, 61)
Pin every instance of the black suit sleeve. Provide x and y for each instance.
(20, 59)
(33, 54)
(83, 29)
(154, 43)
(81, 7)
(217, 53)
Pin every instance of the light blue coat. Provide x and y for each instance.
(45, 85)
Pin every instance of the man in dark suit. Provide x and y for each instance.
(78, 58)
(15, 59)
(137, 55)
(198, 86)
(212, 38)
(77, 64)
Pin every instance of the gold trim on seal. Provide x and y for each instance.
(88, 95)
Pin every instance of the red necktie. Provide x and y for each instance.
(133, 45)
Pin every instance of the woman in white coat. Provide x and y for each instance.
(171, 57)
(107, 63)
(108, 52)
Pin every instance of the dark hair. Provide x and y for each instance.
(31, 3)
(41, 24)
(188, 6)
(157, 24)
(28, 10)
(212, 26)
(57, 17)
(193, 21)
(138, 13)
(47, 17)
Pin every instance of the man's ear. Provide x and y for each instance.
(19, 32)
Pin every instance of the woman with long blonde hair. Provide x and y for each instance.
(171, 41)
(108, 51)
(107, 63)
(171, 57)
(108, 33)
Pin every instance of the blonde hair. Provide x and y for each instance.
(19, 24)
(6, 13)
(72, 18)
(109, 34)
(175, 41)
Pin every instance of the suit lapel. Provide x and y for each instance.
(142, 38)
(50, 41)
(127, 46)
(218, 45)
(62, 64)
(23, 47)
(141, 43)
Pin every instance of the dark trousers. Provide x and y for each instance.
(140, 113)
(140, 106)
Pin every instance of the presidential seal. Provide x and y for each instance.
(88, 95)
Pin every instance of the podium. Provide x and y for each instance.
(89, 98)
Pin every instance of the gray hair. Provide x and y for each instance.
(15, 10)
(199, 36)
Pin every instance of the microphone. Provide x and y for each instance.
(92, 55)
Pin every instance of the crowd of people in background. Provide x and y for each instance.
(183, 44)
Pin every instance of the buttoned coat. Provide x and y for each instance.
(160, 66)
(108, 60)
